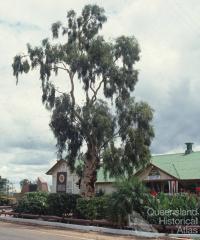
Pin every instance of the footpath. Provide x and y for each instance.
(119, 232)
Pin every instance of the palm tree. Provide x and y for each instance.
(129, 195)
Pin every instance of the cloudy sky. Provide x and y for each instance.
(168, 32)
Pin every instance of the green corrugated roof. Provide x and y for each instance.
(182, 166)
(102, 179)
(179, 165)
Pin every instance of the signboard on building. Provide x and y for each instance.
(154, 174)
(61, 181)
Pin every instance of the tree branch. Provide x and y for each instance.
(56, 89)
(92, 87)
(62, 68)
(115, 135)
(24, 56)
(71, 76)
(87, 96)
(94, 97)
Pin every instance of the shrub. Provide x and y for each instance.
(58, 204)
(62, 204)
(34, 203)
(180, 202)
(94, 208)
(4, 200)
(129, 195)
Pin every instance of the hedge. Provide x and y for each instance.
(58, 204)
(5, 200)
(94, 208)
(34, 203)
(62, 204)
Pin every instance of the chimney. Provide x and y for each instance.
(189, 147)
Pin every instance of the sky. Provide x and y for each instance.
(168, 33)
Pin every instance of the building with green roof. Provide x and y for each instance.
(168, 173)
(173, 173)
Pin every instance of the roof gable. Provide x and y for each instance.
(55, 166)
(152, 172)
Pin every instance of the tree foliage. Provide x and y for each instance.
(5, 186)
(106, 72)
(129, 196)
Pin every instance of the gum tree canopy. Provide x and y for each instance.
(108, 127)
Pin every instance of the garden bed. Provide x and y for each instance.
(99, 223)
(102, 223)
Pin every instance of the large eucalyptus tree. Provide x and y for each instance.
(116, 130)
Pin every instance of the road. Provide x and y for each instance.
(10, 231)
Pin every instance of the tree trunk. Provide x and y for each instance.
(87, 188)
